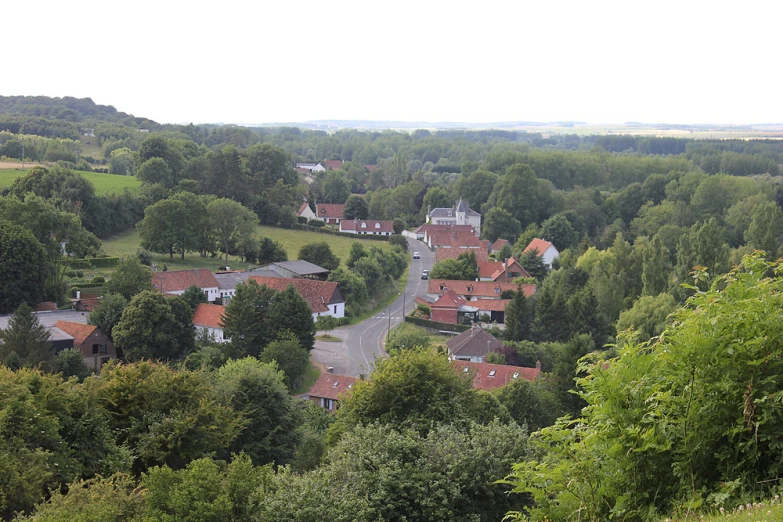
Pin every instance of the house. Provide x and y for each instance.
(296, 268)
(323, 297)
(452, 309)
(310, 167)
(332, 164)
(487, 269)
(329, 389)
(494, 308)
(367, 227)
(474, 290)
(208, 319)
(96, 347)
(472, 345)
(487, 376)
(498, 245)
(306, 212)
(509, 270)
(228, 281)
(460, 214)
(454, 239)
(545, 249)
(175, 282)
(329, 213)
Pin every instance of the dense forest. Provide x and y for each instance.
(656, 328)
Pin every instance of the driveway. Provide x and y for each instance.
(361, 344)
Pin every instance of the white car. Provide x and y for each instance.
(416, 255)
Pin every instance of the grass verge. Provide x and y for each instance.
(385, 300)
(328, 338)
(311, 375)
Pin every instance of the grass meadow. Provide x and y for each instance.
(126, 244)
(104, 183)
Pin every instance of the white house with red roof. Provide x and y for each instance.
(175, 282)
(329, 389)
(323, 297)
(370, 227)
(460, 214)
(545, 249)
(329, 213)
(306, 212)
(208, 319)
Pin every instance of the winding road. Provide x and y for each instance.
(361, 344)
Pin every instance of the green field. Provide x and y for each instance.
(126, 244)
(104, 183)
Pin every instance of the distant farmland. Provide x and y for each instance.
(104, 183)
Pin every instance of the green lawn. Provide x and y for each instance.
(103, 183)
(126, 244)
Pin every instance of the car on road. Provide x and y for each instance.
(425, 274)
(416, 255)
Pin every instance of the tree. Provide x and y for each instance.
(70, 363)
(325, 323)
(320, 254)
(25, 342)
(155, 327)
(505, 253)
(399, 241)
(23, 263)
(533, 263)
(107, 313)
(356, 208)
(648, 316)
(464, 268)
(155, 171)
(231, 222)
(407, 336)
(256, 391)
(519, 318)
(530, 404)
(164, 227)
(335, 188)
(519, 192)
(270, 251)
(194, 296)
(246, 320)
(289, 311)
(291, 358)
(766, 228)
(655, 267)
(559, 231)
(398, 225)
(498, 223)
(476, 188)
(129, 278)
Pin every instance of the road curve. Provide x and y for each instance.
(361, 344)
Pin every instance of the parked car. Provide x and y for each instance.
(416, 255)
(425, 274)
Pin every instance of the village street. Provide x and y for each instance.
(361, 344)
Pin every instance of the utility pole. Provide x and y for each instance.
(22, 155)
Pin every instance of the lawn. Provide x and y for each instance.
(104, 183)
(126, 244)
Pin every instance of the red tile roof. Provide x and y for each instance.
(537, 244)
(330, 386)
(332, 164)
(510, 263)
(487, 268)
(498, 245)
(178, 280)
(460, 238)
(453, 253)
(484, 379)
(485, 289)
(46, 306)
(491, 305)
(450, 301)
(384, 226)
(329, 210)
(79, 332)
(318, 294)
(209, 315)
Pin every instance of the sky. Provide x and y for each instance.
(484, 61)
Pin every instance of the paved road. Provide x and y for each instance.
(364, 342)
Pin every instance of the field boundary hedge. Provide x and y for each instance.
(435, 325)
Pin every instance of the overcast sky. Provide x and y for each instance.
(481, 61)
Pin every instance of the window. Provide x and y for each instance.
(492, 373)
(377, 225)
(95, 348)
(335, 308)
(465, 369)
(104, 349)
(516, 375)
(470, 288)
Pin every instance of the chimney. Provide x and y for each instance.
(78, 294)
(538, 365)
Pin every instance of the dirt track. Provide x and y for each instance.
(5, 165)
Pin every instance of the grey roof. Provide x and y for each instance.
(473, 343)
(443, 212)
(297, 266)
(49, 318)
(55, 334)
(462, 206)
